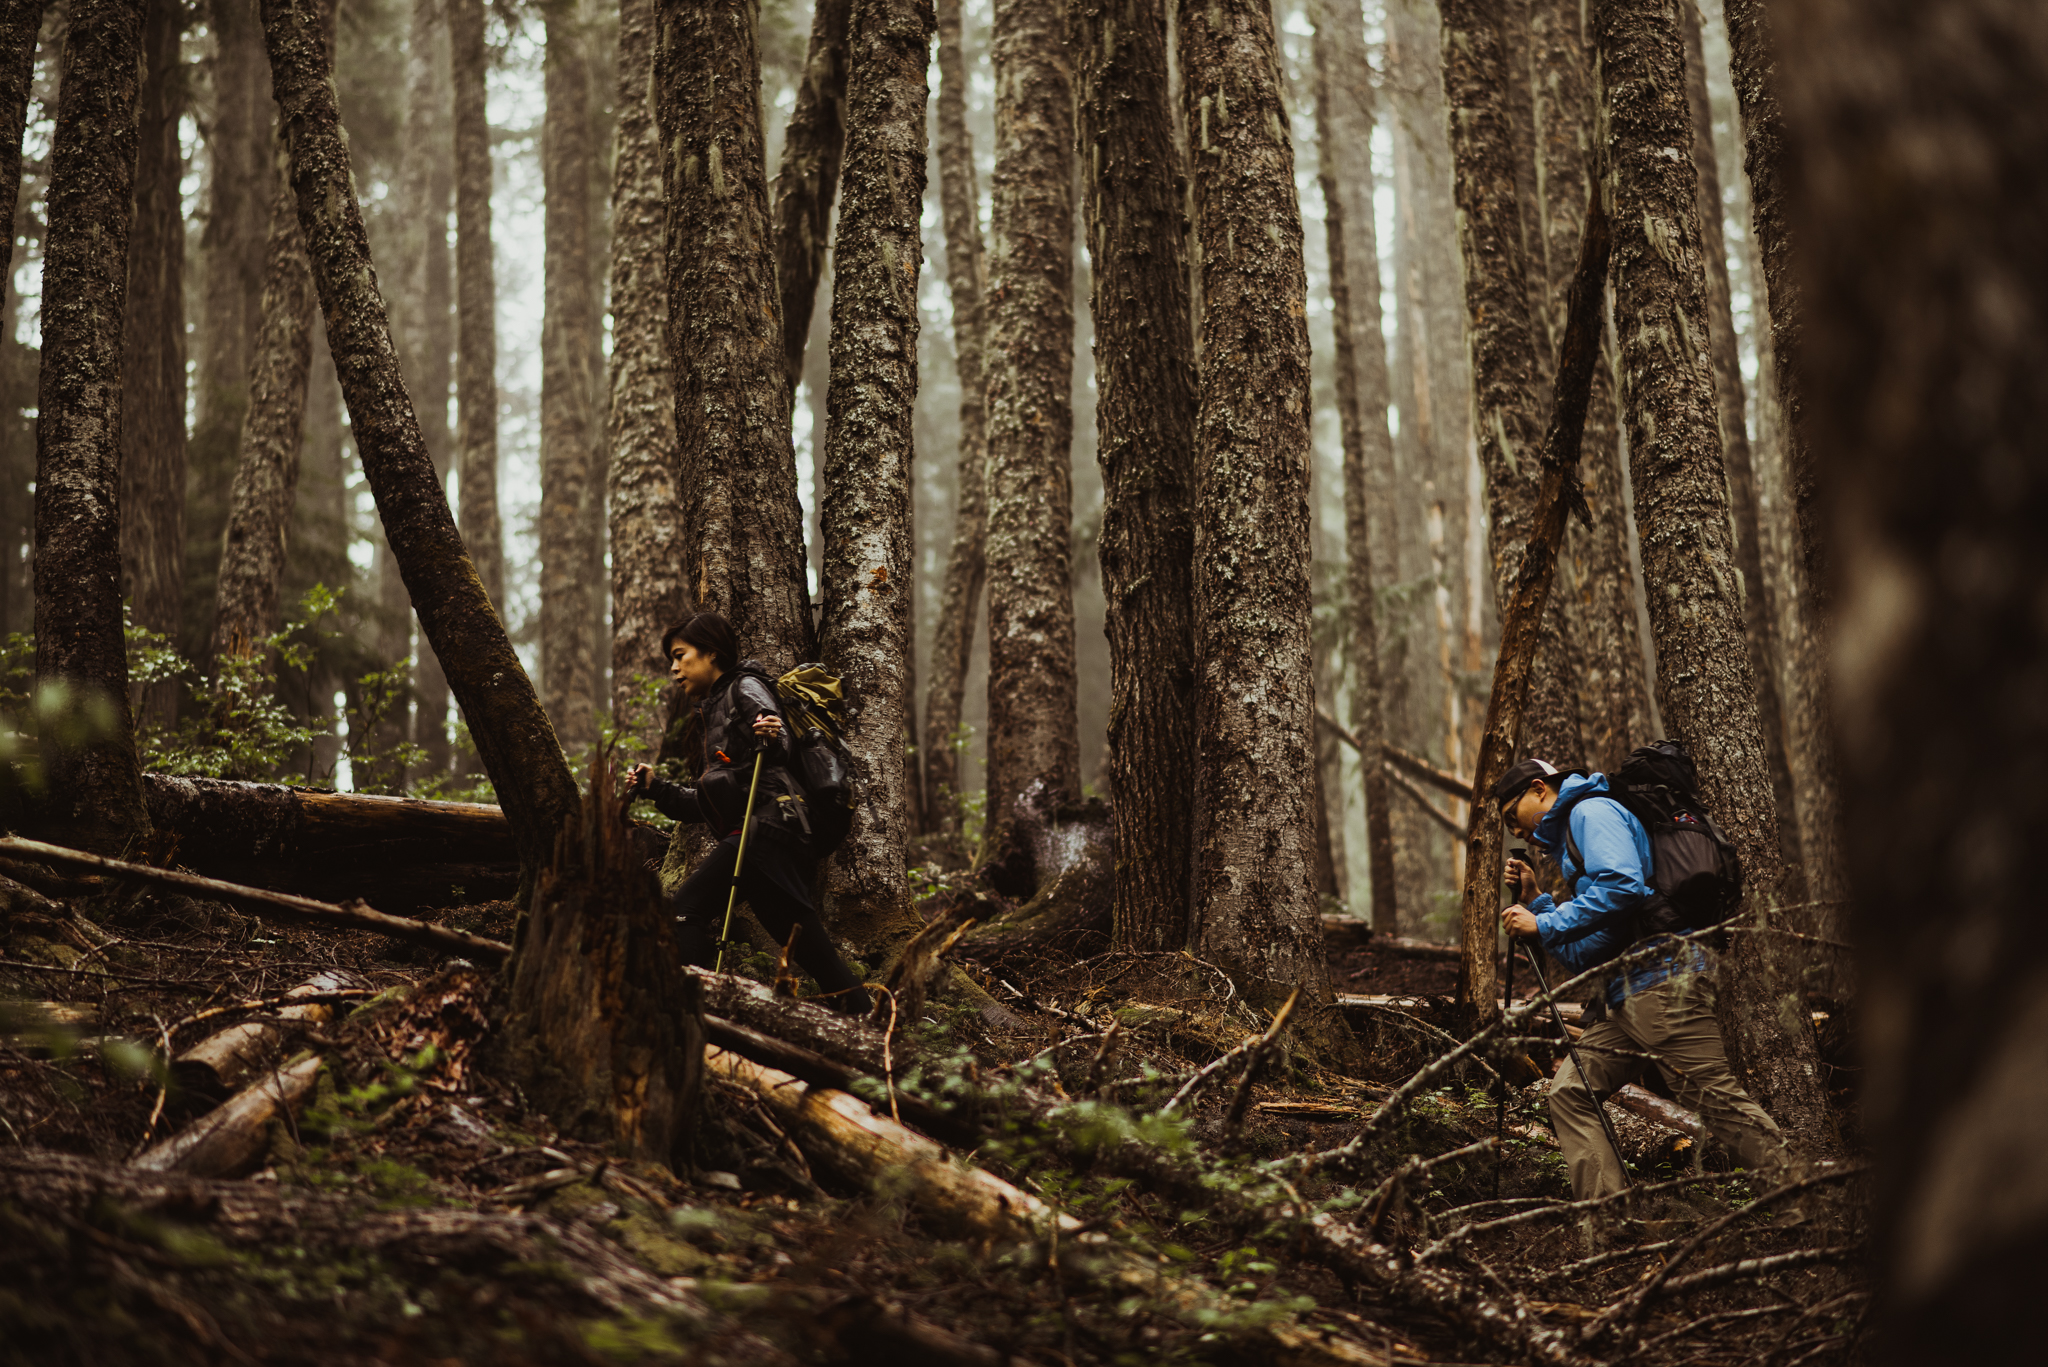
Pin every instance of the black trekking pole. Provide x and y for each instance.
(1507, 999)
(1599, 1107)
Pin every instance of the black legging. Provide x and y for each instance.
(775, 882)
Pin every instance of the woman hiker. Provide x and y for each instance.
(741, 715)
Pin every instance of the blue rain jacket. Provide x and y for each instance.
(1598, 922)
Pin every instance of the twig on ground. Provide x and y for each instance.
(1235, 1117)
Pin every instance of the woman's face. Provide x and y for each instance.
(692, 668)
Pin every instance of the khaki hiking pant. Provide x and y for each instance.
(1674, 1021)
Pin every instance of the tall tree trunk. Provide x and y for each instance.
(1705, 686)
(153, 356)
(649, 593)
(1344, 119)
(252, 557)
(1742, 486)
(1133, 172)
(868, 449)
(1918, 222)
(511, 731)
(94, 783)
(741, 511)
(21, 23)
(807, 180)
(1768, 158)
(1033, 734)
(960, 597)
(20, 26)
(476, 293)
(1254, 912)
(569, 561)
(1596, 583)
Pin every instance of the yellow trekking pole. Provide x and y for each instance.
(746, 820)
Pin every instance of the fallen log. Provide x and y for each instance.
(396, 851)
(1647, 1105)
(352, 916)
(1421, 799)
(1400, 761)
(231, 1139)
(224, 1060)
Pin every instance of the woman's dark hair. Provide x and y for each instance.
(710, 633)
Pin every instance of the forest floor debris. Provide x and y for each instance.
(413, 1207)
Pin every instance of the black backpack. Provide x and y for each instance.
(815, 706)
(1693, 867)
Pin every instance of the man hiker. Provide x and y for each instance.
(740, 716)
(1659, 1009)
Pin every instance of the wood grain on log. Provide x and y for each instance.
(230, 1140)
(223, 1061)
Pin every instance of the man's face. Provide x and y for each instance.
(691, 668)
(1523, 814)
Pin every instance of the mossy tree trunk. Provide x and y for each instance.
(511, 731)
(807, 181)
(476, 300)
(94, 783)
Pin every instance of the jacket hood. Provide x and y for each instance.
(1576, 789)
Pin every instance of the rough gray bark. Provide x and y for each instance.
(153, 356)
(871, 402)
(1916, 228)
(512, 735)
(570, 559)
(238, 148)
(1770, 160)
(252, 556)
(476, 300)
(1706, 690)
(1758, 622)
(1254, 911)
(966, 568)
(1344, 120)
(93, 782)
(807, 179)
(1596, 585)
(648, 589)
(1033, 734)
(21, 22)
(1133, 177)
(745, 556)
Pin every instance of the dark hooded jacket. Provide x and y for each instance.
(719, 796)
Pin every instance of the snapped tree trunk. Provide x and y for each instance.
(807, 180)
(476, 301)
(153, 356)
(1923, 129)
(960, 593)
(1596, 583)
(741, 512)
(512, 735)
(1705, 687)
(870, 405)
(649, 593)
(252, 556)
(93, 783)
(1770, 159)
(569, 557)
(1133, 175)
(1033, 734)
(1254, 911)
(1344, 119)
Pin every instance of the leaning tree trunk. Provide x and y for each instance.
(1704, 684)
(569, 556)
(1344, 119)
(960, 595)
(512, 734)
(1033, 735)
(741, 510)
(476, 301)
(1918, 227)
(1133, 172)
(649, 593)
(93, 782)
(871, 404)
(1769, 160)
(252, 557)
(1254, 907)
(1743, 501)
(153, 357)
(807, 180)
